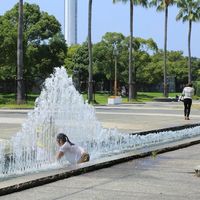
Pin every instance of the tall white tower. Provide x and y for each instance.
(71, 21)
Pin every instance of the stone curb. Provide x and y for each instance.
(16, 184)
(175, 128)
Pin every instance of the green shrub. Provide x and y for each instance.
(197, 88)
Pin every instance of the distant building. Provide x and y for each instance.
(70, 22)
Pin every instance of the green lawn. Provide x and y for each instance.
(141, 97)
(8, 100)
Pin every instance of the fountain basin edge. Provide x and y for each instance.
(41, 178)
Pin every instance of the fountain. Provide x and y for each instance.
(60, 108)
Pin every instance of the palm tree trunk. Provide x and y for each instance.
(130, 80)
(20, 64)
(90, 81)
(165, 86)
(189, 53)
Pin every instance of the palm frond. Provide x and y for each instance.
(161, 4)
(190, 10)
(179, 16)
(143, 3)
(123, 1)
(185, 18)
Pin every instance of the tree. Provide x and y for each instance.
(142, 55)
(90, 70)
(69, 59)
(189, 10)
(104, 56)
(132, 72)
(163, 5)
(150, 74)
(80, 59)
(43, 58)
(20, 64)
(44, 46)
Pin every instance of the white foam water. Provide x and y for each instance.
(60, 108)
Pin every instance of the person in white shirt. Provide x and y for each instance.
(187, 93)
(72, 152)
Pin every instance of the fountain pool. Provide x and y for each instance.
(60, 108)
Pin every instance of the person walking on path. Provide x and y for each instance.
(70, 151)
(187, 94)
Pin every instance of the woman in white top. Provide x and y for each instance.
(187, 93)
(73, 153)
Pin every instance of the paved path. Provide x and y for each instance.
(126, 117)
(167, 177)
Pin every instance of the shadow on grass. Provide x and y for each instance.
(145, 96)
(11, 98)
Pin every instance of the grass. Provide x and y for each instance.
(148, 96)
(102, 98)
(8, 100)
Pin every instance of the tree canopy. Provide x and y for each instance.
(44, 45)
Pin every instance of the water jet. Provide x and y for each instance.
(60, 108)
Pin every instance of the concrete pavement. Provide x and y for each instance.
(128, 118)
(166, 176)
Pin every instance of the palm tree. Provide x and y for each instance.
(163, 5)
(132, 71)
(189, 11)
(90, 81)
(20, 64)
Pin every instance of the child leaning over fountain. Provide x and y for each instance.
(72, 152)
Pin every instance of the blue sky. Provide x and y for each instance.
(115, 18)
